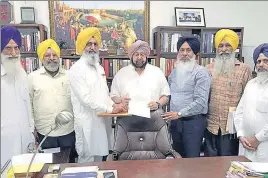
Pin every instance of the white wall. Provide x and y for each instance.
(248, 14)
(221, 14)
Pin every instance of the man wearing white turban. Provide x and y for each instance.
(139, 80)
(90, 96)
(251, 117)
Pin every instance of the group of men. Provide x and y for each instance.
(199, 105)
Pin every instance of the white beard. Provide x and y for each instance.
(12, 66)
(92, 58)
(262, 76)
(183, 70)
(224, 64)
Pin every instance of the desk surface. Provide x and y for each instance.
(183, 168)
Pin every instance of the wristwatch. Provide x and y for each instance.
(179, 114)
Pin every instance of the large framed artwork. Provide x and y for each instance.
(120, 22)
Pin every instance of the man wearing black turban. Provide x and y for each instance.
(189, 86)
(252, 112)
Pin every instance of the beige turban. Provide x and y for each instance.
(84, 36)
(139, 45)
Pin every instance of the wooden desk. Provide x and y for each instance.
(213, 167)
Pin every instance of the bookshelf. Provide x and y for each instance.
(111, 63)
(31, 36)
(165, 44)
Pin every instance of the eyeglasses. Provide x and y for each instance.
(265, 61)
(9, 49)
(187, 50)
(90, 44)
(139, 54)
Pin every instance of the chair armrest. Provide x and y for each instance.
(173, 155)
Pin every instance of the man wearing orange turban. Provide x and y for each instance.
(229, 78)
(49, 95)
(140, 81)
(90, 96)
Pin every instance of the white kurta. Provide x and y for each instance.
(15, 114)
(90, 96)
(251, 118)
(150, 85)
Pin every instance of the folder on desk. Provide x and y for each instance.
(20, 163)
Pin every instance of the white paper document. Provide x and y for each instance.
(26, 158)
(80, 169)
(257, 166)
(139, 108)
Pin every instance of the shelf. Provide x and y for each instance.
(105, 57)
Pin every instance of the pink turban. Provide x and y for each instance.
(139, 45)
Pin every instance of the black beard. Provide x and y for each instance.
(139, 67)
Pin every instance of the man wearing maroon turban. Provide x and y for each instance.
(251, 117)
(140, 81)
(15, 104)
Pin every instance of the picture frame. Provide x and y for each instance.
(190, 17)
(7, 13)
(119, 23)
(27, 15)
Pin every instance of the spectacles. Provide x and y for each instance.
(10, 49)
(265, 61)
(187, 50)
(139, 54)
(90, 44)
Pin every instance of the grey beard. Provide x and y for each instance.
(92, 58)
(224, 64)
(262, 76)
(12, 66)
(183, 70)
(51, 66)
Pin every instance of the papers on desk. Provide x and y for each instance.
(244, 170)
(87, 171)
(139, 108)
(21, 162)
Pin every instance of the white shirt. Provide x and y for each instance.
(151, 83)
(90, 96)
(15, 114)
(251, 118)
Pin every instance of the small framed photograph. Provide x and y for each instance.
(27, 15)
(193, 17)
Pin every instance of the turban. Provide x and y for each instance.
(139, 45)
(263, 48)
(228, 35)
(84, 36)
(10, 33)
(193, 42)
(43, 46)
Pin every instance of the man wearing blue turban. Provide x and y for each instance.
(251, 118)
(189, 87)
(15, 104)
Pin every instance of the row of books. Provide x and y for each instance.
(169, 40)
(205, 61)
(167, 65)
(30, 64)
(30, 42)
(112, 66)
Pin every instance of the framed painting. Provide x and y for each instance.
(193, 17)
(120, 22)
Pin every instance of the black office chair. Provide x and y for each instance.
(140, 138)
